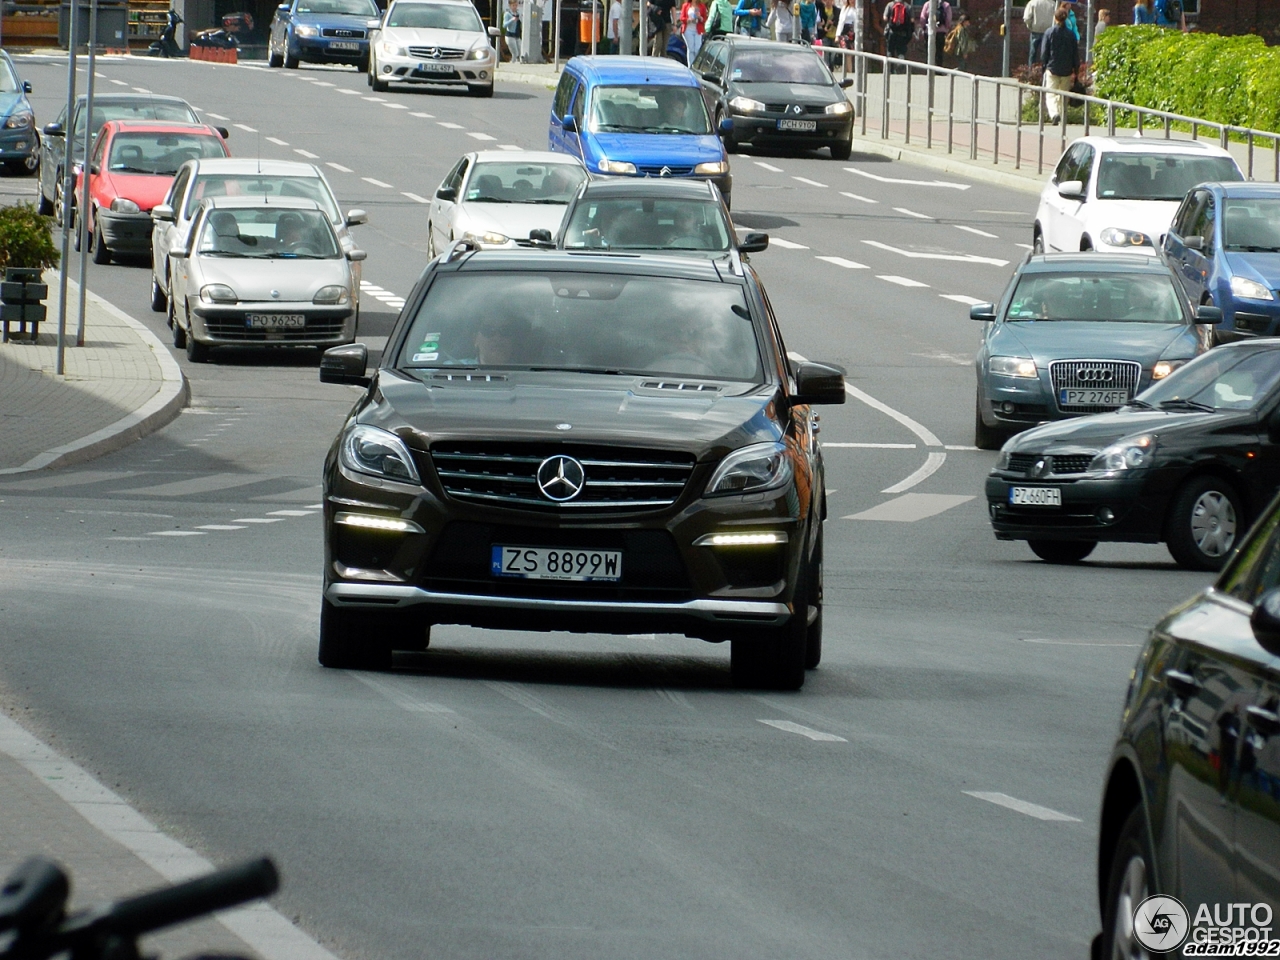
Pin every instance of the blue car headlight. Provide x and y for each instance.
(1247, 289)
(1023, 367)
(302, 30)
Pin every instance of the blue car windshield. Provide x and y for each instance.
(649, 108)
(1217, 380)
(1096, 297)
(435, 16)
(355, 8)
(1251, 225)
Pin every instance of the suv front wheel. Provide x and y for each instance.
(773, 658)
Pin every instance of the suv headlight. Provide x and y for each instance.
(217, 293)
(491, 237)
(18, 121)
(841, 107)
(479, 52)
(1013, 367)
(1131, 453)
(121, 205)
(377, 452)
(712, 167)
(305, 31)
(761, 466)
(616, 166)
(1247, 289)
(746, 105)
(1116, 237)
(334, 293)
(389, 49)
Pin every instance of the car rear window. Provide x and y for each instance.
(356, 8)
(1159, 176)
(165, 112)
(257, 185)
(1098, 297)
(589, 322)
(159, 153)
(769, 66)
(636, 223)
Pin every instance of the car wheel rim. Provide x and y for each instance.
(1133, 890)
(1213, 523)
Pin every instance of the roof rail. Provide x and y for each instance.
(458, 248)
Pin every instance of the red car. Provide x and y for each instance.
(133, 166)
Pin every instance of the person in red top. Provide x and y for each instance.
(693, 20)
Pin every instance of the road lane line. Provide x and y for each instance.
(792, 727)
(377, 183)
(932, 464)
(842, 262)
(424, 116)
(509, 146)
(812, 183)
(288, 513)
(339, 167)
(768, 166)
(176, 533)
(307, 153)
(220, 526)
(959, 446)
(119, 83)
(246, 128)
(900, 281)
(449, 125)
(961, 298)
(217, 116)
(1024, 246)
(399, 697)
(912, 213)
(395, 106)
(414, 197)
(353, 93)
(911, 507)
(322, 83)
(480, 136)
(857, 196)
(375, 99)
(145, 90)
(786, 244)
(918, 183)
(1022, 806)
(1078, 643)
(957, 257)
(975, 231)
(277, 141)
(870, 446)
(259, 520)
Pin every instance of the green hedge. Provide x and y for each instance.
(1233, 80)
(26, 238)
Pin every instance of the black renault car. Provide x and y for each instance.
(1189, 841)
(1190, 462)
(580, 441)
(775, 95)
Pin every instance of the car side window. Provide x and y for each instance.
(1186, 213)
(722, 60)
(1062, 173)
(1202, 225)
(459, 174)
(1084, 165)
(98, 153)
(176, 192)
(580, 105)
(699, 64)
(564, 90)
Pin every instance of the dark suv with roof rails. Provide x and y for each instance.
(583, 441)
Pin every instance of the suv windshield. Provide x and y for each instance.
(524, 182)
(1159, 176)
(1251, 225)
(1122, 297)
(159, 153)
(776, 66)
(256, 185)
(635, 223)
(355, 8)
(589, 322)
(260, 233)
(1218, 380)
(435, 16)
(649, 108)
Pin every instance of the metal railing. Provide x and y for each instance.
(983, 117)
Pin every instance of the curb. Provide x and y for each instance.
(158, 411)
(1012, 181)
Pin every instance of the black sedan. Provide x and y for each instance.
(774, 95)
(1189, 462)
(574, 441)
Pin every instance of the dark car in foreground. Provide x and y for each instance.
(1191, 801)
(583, 442)
(1079, 333)
(1190, 462)
(19, 142)
(774, 95)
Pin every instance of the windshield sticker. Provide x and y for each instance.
(425, 357)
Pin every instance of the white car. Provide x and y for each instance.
(1112, 194)
(228, 177)
(496, 198)
(261, 271)
(433, 42)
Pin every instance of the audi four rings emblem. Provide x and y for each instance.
(1096, 374)
(561, 478)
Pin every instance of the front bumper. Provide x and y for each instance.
(763, 129)
(125, 232)
(410, 70)
(321, 50)
(1250, 318)
(18, 144)
(1018, 403)
(1136, 515)
(325, 326)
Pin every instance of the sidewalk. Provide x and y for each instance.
(121, 385)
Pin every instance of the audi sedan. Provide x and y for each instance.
(1079, 333)
(575, 441)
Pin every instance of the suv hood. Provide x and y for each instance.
(1152, 217)
(1068, 340)
(1091, 433)
(603, 409)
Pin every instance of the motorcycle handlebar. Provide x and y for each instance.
(220, 890)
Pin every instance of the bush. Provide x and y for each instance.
(26, 238)
(1232, 80)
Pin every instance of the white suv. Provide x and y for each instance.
(1110, 194)
(432, 41)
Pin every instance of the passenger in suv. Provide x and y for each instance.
(645, 460)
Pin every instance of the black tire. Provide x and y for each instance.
(984, 437)
(364, 639)
(44, 206)
(363, 65)
(274, 60)
(773, 658)
(379, 86)
(1062, 551)
(813, 634)
(197, 352)
(159, 302)
(99, 248)
(290, 63)
(59, 214)
(1037, 243)
(486, 91)
(1086, 245)
(1128, 884)
(179, 335)
(842, 151)
(1205, 522)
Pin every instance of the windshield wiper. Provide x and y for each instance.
(613, 371)
(1254, 249)
(1181, 403)
(1135, 402)
(618, 128)
(292, 256)
(128, 169)
(228, 253)
(563, 203)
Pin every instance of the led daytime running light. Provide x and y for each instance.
(368, 522)
(742, 539)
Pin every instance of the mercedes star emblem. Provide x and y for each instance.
(560, 478)
(435, 54)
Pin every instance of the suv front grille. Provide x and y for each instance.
(612, 479)
(1093, 375)
(429, 53)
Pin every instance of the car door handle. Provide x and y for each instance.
(1183, 684)
(1263, 720)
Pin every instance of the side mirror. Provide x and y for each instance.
(447, 193)
(162, 211)
(345, 364)
(725, 129)
(1194, 243)
(223, 132)
(356, 217)
(373, 24)
(542, 237)
(986, 312)
(283, 8)
(754, 243)
(1071, 190)
(494, 32)
(710, 77)
(846, 83)
(819, 383)
(1265, 621)
(26, 86)
(568, 125)
(53, 130)
(1208, 314)
(355, 255)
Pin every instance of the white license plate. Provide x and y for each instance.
(556, 563)
(1092, 398)
(343, 45)
(275, 321)
(804, 126)
(1035, 497)
(430, 67)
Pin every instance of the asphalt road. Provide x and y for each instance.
(558, 796)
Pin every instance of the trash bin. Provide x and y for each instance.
(113, 25)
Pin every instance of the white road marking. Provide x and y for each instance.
(912, 213)
(217, 116)
(509, 146)
(961, 298)
(870, 446)
(400, 698)
(1024, 246)
(975, 231)
(119, 83)
(791, 727)
(259, 520)
(414, 197)
(395, 106)
(245, 128)
(911, 507)
(842, 262)
(219, 526)
(376, 99)
(959, 446)
(918, 183)
(339, 167)
(288, 513)
(307, 153)
(198, 485)
(900, 281)
(145, 90)
(376, 183)
(353, 93)
(1022, 806)
(424, 116)
(448, 125)
(957, 359)
(1078, 643)
(176, 533)
(857, 196)
(322, 83)
(768, 166)
(812, 183)
(957, 257)
(932, 464)
(278, 142)
(786, 244)
(480, 136)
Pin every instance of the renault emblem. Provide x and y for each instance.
(797, 109)
(560, 478)
(1041, 467)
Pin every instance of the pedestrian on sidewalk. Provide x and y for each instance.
(1169, 13)
(808, 20)
(750, 14)
(1104, 21)
(962, 41)
(941, 26)
(615, 27)
(1072, 23)
(1061, 55)
(693, 22)
(511, 28)
(719, 19)
(1142, 13)
(1038, 16)
(781, 21)
(899, 25)
(659, 26)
